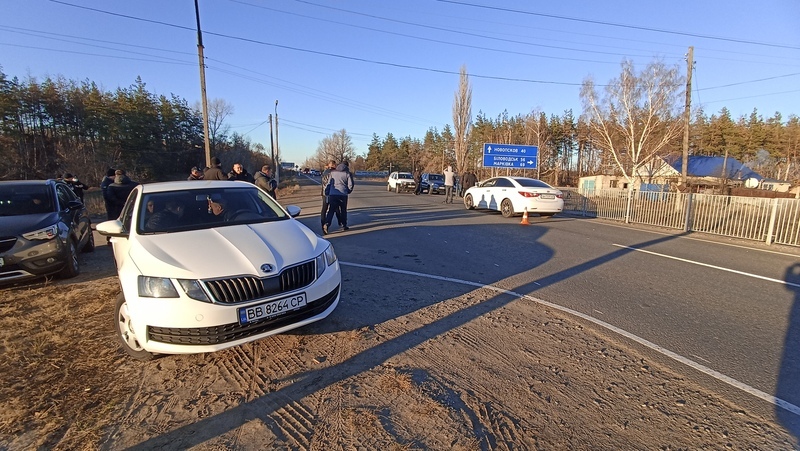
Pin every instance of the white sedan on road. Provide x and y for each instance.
(214, 265)
(514, 196)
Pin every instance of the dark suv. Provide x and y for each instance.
(43, 226)
(432, 183)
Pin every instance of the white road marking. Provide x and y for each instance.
(756, 276)
(661, 350)
(684, 237)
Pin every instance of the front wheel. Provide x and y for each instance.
(124, 326)
(506, 208)
(89, 246)
(468, 202)
(71, 268)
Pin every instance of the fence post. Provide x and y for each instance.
(628, 207)
(772, 217)
(687, 225)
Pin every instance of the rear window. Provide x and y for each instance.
(533, 183)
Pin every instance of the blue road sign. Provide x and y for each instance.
(510, 156)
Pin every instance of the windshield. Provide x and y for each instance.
(435, 177)
(404, 175)
(19, 200)
(205, 208)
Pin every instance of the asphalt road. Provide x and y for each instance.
(731, 306)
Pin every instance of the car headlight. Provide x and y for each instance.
(44, 234)
(156, 287)
(193, 289)
(324, 260)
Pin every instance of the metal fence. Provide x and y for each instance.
(760, 219)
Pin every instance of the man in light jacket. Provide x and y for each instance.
(338, 188)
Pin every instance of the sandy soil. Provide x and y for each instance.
(444, 370)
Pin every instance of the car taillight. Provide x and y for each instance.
(528, 194)
(560, 196)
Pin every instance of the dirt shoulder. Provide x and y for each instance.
(443, 371)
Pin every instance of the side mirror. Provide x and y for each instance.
(113, 227)
(294, 210)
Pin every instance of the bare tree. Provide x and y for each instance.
(218, 112)
(337, 147)
(639, 117)
(462, 120)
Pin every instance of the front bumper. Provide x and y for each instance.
(30, 260)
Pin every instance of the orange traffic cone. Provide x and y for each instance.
(525, 218)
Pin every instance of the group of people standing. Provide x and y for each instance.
(263, 178)
(337, 184)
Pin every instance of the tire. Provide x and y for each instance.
(125, 334)
(71, 267)
(89, 246)
(507, 208)
(468, 202)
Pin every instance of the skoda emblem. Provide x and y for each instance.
(267, 268)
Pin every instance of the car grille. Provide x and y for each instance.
(6, 243)
(235, 331)
(241, 289)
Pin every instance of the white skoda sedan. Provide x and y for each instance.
(514, 196)
(206, 266)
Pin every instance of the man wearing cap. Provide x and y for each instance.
(215, 172)
(196, 174)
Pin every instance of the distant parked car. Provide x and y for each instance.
(515, 195)
(314, 173)
(217, 265)
(432, 183)
(401, 181)
(43, 227)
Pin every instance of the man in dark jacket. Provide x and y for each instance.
(195, 174)
(240, 173)
(214, 172)
(119, 191)
(340, 186)
(324, 179)
(76, 185)
(265, 181)
(108, 180)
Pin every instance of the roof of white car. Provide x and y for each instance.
(193, 184)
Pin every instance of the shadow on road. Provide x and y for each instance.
(788, 387)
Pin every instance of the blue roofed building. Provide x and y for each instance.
(702, 172)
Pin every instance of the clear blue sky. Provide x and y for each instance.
(371, 66)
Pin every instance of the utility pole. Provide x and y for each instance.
(277, 148)
(686, 118)
(203, 85)
(271, 143)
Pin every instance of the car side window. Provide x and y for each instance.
(127, 211)
(64, 196)
(503, 183)
(489, 183)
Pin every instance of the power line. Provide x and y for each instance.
(612, 24)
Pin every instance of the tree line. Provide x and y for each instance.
(567, 150)
(58, 125)
(55, 126)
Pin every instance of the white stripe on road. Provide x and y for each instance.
(679, 358)
(768, 279)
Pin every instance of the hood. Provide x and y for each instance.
(17, 225)
(227, 251)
